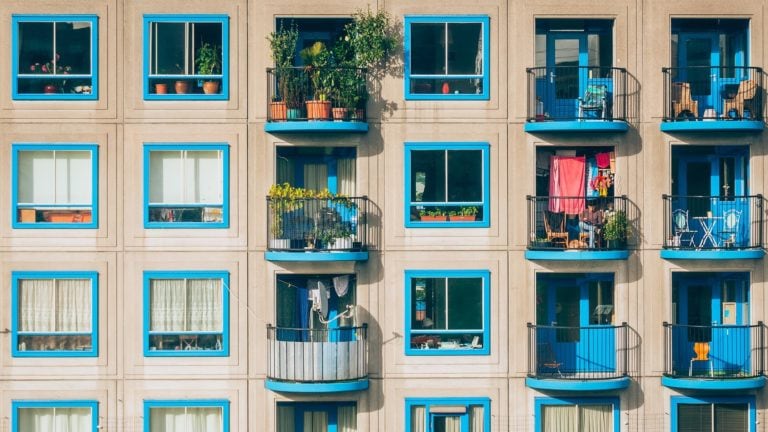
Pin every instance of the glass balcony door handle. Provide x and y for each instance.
(714, 77)
(552, 76)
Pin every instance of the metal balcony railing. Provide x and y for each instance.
(713, 222)
(567, 93)
(713, 93)
(578, 353)
(317, 355)
(316, 224)
(557, 223)
(303, 93)
(717, 352)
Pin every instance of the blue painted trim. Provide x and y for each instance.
(485, 275)
(485, 148)
(577, 126)
(16, 148)
(540, 402)
(676, 401)
(413, 19)
(577, 385)
(52, 403)
(316, 126)
(187, 274)
(316, 256)
(714, 384)
(192, 18)
(428, 403)
(300, 387)
(16, 276)
(94, 75)
(713, 125)
(222, 147)
(192, 403)
(712, 254)
(576, 255)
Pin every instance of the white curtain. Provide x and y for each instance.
(55, 419)
(167, 304)
(346, 173)
(315, 421)
(476, 418)
(315, 176)
(595, 418)
(559, 418)
(418, 418)
(55, 177)
(186, 177)
(204, 310)
(453, 424)
(185, 419)
(347, 419)
(285, 422)
(186, 305)
(48, 305)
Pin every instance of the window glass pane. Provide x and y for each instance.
(732, 417)
(694, 417)
(36, 419)
(559, 418)
(54, 419)
(465, 303)
(595, 418)
(465, 49)
(36, 177)
(567, 313)
(418, 418)
(166, 177)
(35, 45)
(167, 419)
(428, 48)
(601, 302)
(73, 177)
(476, 418)
(428, 176)
(73, 47)
(207, 419)
(465, 176)
(203, 172)
(167, 48)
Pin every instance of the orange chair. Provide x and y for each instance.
(701, 349)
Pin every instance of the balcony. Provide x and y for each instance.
(713, 98)
(317, 360)
(556, 234)
(317, 229)
(577, 99)
(590, 358)
(296, 103)
(713, 227)
(723, 357)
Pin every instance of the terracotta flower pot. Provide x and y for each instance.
(50, 88)
(459, 218)
(278, 111)
(426, 218)
(161, 88)
(339, 114)
(211, 87)
(318, 110)
(181, 87)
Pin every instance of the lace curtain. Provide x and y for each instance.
(54, 419)
(185, 419)
(55, 305)
(178, 305)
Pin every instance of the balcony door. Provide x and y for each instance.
(699, 60)
(317, 417)
(567, 58)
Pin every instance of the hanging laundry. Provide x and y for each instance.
(566, 179)
(592, 174)
(603, 160)
(341, 285)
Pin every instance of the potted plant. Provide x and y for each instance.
(464, 214)
(51, 67)
(283, 199)
(316, 59)
(282, 44)
(615, 230)
(181, 86)
(208, 62)
(436, 215)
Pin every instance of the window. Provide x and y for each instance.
(55, 416)
(577, 414)
(186, 415)
(321, 417)
(448, 312)
(186, 57)
(186, 314)
(54, 57)
(732, 414)
(54, 314)
(447, 185)
(446, 57)
(447, 414)
(55, 186)
(186, 186)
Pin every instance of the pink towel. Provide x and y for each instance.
(603, 160)
(566, 179)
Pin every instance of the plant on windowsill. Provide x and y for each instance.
(616, 230)
(464, 214)
(282, 44)
(208, 62)
(181, 86)
(51, 67)
(436, 215)
(317, 59)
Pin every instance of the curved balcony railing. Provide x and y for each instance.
(714, 352)
(713, 93)
(301, 355)
(567, 93)
(578, 353)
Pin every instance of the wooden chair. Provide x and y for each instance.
(745, 95)
(701, 349)
(554, 226)
(546, 359)
(682, 100)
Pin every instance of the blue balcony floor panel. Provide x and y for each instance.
(576, 385)
(318, 387)
(576, 255)
(577, 126)
(316, 126)
(729, 254)
(316, 256)
(713, 126)
(698, 383)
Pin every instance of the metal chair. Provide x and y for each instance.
(682, 228)
(594, 100)
(546, 358)
(730, 229)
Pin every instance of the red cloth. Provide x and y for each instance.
(566, 179)
(603, 160)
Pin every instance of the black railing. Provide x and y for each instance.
(599, 223)
(713, 93)
(315, 224)
(302, 94)
(566, 93)
(317, 355)
(713, 222)
(579, 353)
(721, 351)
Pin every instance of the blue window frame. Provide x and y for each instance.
(440, 414)
(186, 186)
(173, 45)
(187, 415)
(447, 312)
(316, 416)
(447, 57)
(447, 185)
(602, 413)
(186, 314)
(54, 314)
(76, 415)
(55, 186)
(54, 57)
(732, 414)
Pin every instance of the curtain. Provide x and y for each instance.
(55, 419)
(453, 424)
(566, 179)
(479, 63)
(186, 177)
(285, 421)
(315, 421)
(284, 170)
(48, 305)
(418, 418)
(204, 419)
(346, 173)
(185, 305)
(167, 302)
(204, 310)
(476, 417)
(185, 419)
(55, 177)
(559, 418)
(595, 418)
(347, 419)
(315, 176)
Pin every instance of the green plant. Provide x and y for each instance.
(284, 198)
(468, 211)
(282, 44)
(317, 60)
(371, 38)
(616, 227)
(208, 59)
(434, 213)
